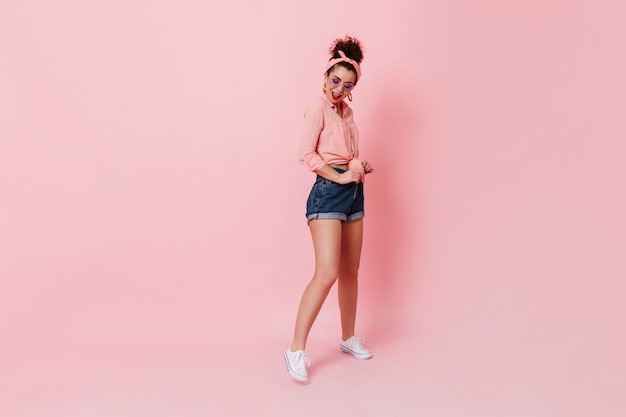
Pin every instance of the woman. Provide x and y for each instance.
(329, 147)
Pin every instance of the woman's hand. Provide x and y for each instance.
(367, 167)
(348, 177)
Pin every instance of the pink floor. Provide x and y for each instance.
(167, 359)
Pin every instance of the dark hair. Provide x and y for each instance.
(351, 47)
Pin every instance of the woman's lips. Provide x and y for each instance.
(336, 96)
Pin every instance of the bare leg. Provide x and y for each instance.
(326, 234)
(351, 244)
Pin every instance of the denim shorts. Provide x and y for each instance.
(329, 200)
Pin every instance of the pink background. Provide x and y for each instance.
(154, 246)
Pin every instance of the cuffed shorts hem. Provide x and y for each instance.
(336, 216)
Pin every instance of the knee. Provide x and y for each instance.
(326, 278)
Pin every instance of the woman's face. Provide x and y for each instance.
(339, 84)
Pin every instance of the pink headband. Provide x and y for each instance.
(344, 58)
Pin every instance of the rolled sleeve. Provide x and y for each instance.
(313, 125)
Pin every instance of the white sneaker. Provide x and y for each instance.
(354, 347)
(296, 364)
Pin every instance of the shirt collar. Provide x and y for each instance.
(332, 106)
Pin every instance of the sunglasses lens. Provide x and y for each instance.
(335, 82)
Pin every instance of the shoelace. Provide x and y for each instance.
(357, 343)
(300, 357)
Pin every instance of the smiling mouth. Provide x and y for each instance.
(335, 95)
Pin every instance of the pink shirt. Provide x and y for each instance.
(327, 138)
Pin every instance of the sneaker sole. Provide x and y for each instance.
(293, 374)
(352, 353)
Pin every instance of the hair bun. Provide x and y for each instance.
(349, 45)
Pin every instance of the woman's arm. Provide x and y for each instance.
(330, 174)
(309, 137)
